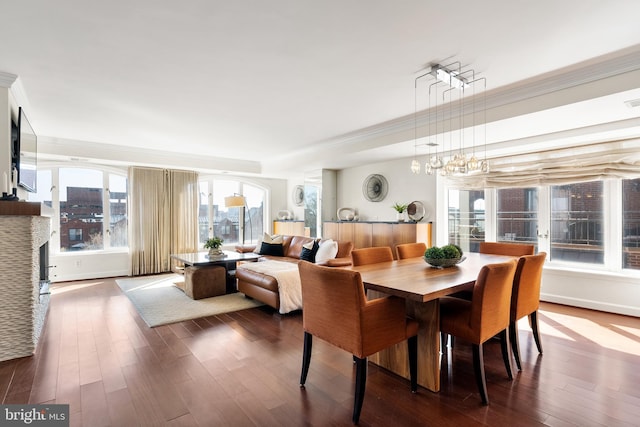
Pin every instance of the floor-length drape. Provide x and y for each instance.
(163, 217)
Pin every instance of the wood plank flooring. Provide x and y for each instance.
(242, 369)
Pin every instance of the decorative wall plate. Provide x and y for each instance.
(375, 188)
(298, 195)
(416, 211)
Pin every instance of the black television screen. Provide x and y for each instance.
(28, 149)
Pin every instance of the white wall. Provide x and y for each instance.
(404, 187)
(615, 293)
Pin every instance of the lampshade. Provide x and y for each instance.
(234, 201)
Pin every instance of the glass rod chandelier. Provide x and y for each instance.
(447, 130)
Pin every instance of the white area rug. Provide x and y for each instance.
(160, 302)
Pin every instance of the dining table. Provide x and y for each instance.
(421, 285)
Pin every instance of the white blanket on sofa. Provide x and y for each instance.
(288, 278)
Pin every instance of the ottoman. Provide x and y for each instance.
(205, 282)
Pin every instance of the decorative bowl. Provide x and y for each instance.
(444, 262)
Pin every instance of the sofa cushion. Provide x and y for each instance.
(328, 250)
(309, 251)
(274, 249)
(268, 238)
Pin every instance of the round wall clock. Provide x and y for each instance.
(298, 195)
(375, 188)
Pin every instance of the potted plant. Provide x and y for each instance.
(400, 209)
(214, 244)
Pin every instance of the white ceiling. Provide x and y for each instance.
(251, 86)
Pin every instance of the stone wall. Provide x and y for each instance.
(22, 308)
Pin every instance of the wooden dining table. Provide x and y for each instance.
(421, 285)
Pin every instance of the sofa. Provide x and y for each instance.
(264, 287)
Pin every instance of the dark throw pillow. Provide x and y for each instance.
(273, 249)
(309, 254)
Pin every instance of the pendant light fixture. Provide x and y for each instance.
(449, 81)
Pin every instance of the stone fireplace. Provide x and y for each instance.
(24, 286)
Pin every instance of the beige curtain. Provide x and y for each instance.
(163, 217)
(616, 159)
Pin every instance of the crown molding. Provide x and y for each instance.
(7, 79)
(60, 149)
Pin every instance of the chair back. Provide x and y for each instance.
(411, 250)
(525, 298)
(332, 299)
(491, 301)
(511, 249)
(371, 255)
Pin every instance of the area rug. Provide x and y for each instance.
(160, 302)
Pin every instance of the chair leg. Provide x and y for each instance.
(361, 382)
(412, 347)
(533, 319)
(306, 357)
(515, 343)
(443, 342)
(506, 356)
(478, 368)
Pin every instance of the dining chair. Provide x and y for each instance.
(525, 300)
(411, 250)
(502, 248)
(486, 315)
(498, 248)
(372, 255)
(336, 310)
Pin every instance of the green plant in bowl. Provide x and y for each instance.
(445, 256)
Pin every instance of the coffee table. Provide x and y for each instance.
(204, 276)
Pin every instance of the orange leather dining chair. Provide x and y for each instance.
(502, 248)
(525, 300)
(336, 310)
(486, 315)
(411, 250)
(371, 255)
(499, 248)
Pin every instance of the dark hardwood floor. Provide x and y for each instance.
(242, 369)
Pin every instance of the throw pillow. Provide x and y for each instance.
(309, 251)
(273, 249)
(328, 250)
(276, 238)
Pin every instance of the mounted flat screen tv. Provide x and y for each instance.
(27, 160)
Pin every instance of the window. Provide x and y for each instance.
(466, 218)
(203, 213)
(75, 234)
(631, 223)
(81, 208)
(517, 215)
(89, 199)
(577, 222)
(117, 210)
(218, 220)
(254, 213)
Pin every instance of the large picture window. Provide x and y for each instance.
(91, 207)
(577, 222)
